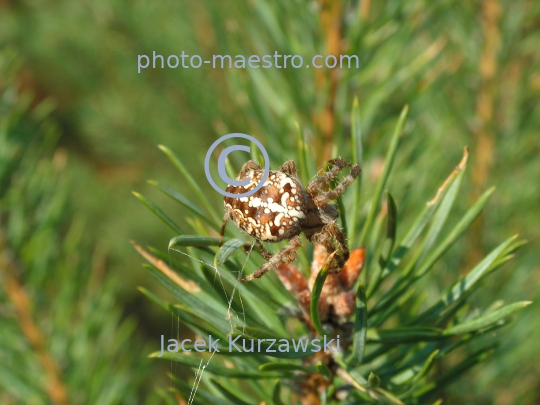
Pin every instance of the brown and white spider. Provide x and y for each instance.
(281, 209)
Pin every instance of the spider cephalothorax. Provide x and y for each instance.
(281, 209)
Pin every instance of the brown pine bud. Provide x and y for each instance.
(292, 278)
(344, 306)
(353, 267)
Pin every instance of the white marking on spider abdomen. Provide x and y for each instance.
(277, 220)
(284, 198)
(267, 235)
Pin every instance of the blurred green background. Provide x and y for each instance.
(469, 71)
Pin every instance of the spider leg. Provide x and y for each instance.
(335, 231)
(249, 165)
(223, 226)
(285, 255)
(326, 237)
(266, 254)
(323, 198)
(290, 167)
(322, 181)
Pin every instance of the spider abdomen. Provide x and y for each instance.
(271, 214)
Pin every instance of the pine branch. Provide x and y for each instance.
(9, 271)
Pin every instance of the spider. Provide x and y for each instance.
(281, 210)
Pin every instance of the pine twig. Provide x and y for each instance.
(484, 137)
(330, 19)
(9, 270)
